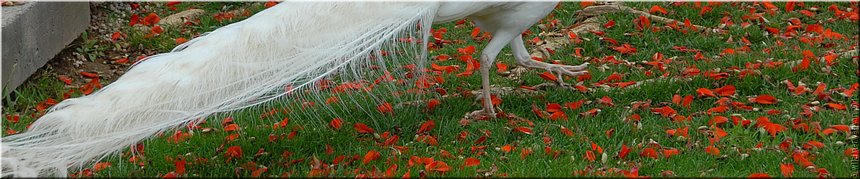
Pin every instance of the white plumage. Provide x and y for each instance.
(247, 63)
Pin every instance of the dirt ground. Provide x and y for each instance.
(73, 60)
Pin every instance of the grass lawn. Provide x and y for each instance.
(702, 104)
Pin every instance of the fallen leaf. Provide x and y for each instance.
(773, 128)
(89, 75)
(625, 49)
(712, 150)
(836, 106)
(385, 108)
(432, 103)
(469, 162)
(151, 19)
(548, 76)
(115, 36)
(524, 130)
(271, 3)
(664, 111)
(763, 99)
(65, 79)
(391, 170)
(687, 101)
(180, 40)
(370, 156)
(362, 128)
(609, 24)
(180, 166)
(101, 166)
(624, 151)
(437, 166)
(759, 175)
(655, 9)
(233, 152)
(231, 127)
(336, 123)
(669, 152)
(705, 92)
(501, 67)
(727, 90)
(786, 169)
(426, 126)
(649, 152)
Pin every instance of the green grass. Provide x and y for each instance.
(205, 151)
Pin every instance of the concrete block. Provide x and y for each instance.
(34, 32)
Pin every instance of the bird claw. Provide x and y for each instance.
(557, 69)
(567, 70)
(480, 115)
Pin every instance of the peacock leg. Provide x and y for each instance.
(488, 55)
(505, 23)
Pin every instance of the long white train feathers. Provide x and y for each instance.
(233, 67)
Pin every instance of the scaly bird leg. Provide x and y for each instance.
(488, 55)
(485, 86)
